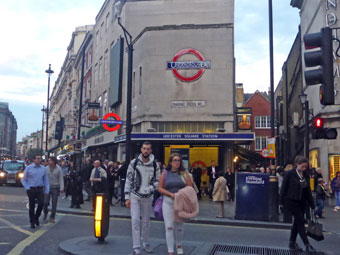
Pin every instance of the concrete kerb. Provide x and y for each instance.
(226, 222)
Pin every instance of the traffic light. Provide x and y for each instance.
(323, 58)
(319, 132)
(59, 128)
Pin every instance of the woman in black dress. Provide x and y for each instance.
(295, 193)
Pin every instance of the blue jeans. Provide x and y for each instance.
(337, 197)
(320, 204)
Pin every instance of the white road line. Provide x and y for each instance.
(18, 249)
(4, 243)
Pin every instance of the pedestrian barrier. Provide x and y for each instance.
(101, 217)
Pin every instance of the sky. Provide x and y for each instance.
(37, 32)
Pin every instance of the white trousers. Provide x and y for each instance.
(174, 231)
(140, 207)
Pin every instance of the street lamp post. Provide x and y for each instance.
(270, 10)
(49, 71)
(305, 103)
(129, 91)
(42, 129)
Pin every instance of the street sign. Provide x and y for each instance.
(271, 147)
(264, 153)
(117, 122)
(93, 105)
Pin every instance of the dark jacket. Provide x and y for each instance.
(291, 188)
(230, 179)
(333, 185)
(320, 192)
(210, 174)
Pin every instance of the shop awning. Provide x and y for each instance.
(248, 154)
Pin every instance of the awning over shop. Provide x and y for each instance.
(248, 155)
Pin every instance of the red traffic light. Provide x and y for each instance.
(318, 123)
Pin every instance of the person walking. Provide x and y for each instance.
(56, 180)
(296, 191)
(111, 177)
(99, 181)
(212, 173)
(86, 174)
(219, 193)
(230, 177)
(335, 186)
(35, 181)
(142, 179)
(320, 198)
(172, 180)
(122, 178)
(197, 176)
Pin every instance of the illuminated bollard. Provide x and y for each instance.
(101, 217)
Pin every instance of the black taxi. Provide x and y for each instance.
(11, 171)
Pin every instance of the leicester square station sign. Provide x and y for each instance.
(200, 65)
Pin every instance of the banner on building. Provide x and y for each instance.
(271, 147)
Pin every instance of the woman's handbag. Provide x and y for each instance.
(158, 208)
(158, 204)
(314, 229)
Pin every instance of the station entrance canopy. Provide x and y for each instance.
(187, 137)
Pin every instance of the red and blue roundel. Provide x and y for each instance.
(200, 64)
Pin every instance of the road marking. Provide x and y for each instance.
(17, 228)
(18, 249)
(10, 210)
(4, 243)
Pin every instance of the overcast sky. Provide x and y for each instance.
(36, 33)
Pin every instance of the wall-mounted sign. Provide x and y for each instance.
(271, 147)
(116, 122)
(187, 104)
(188, 137)
(200, 64)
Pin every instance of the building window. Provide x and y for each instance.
(102, 30)
(260, 143)
(140, 80)
(187, 127)
(97, 37)
(105, 103)
(101, 68)
(107, 21)
(262, 121)
(106, 61)
(96, 75)
(100, 109)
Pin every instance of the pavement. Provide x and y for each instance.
(207, 215)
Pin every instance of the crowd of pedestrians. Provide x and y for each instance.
(139, 183)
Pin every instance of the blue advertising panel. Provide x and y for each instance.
(252, 196)
(116, 73)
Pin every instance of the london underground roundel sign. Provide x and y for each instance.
(106, 122)
(200, 65)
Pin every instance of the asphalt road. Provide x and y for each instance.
(17, 238)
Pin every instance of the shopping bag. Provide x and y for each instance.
(158, 208)
(314, 229)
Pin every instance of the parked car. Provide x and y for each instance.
(12, 171)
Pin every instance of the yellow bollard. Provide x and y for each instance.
(101, 217)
